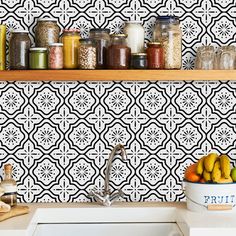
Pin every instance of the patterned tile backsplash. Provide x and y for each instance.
(58, 135)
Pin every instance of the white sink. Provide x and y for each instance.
(111, 229)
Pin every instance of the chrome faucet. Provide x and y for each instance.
(106, 197)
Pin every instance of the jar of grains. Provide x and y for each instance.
(70, 40)
(155, 55)
(19, 46)
(46, 32)
(139, 61)
(87, 54)
(55, 56)
(38, 58)
(118, 53)
(135, 39)
(168, 32)
(102, 39)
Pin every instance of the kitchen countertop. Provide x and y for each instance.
(190, 223)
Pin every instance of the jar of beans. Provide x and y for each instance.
(19, 46)
(102, 39)
(155, 55)
(118, 53)
(70, 40)
(46, 32)
(55, 56)
(87, 54)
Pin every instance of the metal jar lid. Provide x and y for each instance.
(56, 45)
(157, 43)
(38, 49)
(140, 54)
(119, 35)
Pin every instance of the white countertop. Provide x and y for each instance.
(190, 223)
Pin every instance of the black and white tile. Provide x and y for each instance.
(58, 135)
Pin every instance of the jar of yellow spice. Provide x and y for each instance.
(70, 40)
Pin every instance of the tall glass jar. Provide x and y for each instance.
(46, 32)
(19, 46)
(102, 39)
(135, 39)
(168, 32)
(118, 53)
(87, 54)
(70, 40)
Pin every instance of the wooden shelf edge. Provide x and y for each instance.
(116, 75)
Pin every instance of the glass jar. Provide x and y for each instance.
(168, 32)
(19, 46)
(155, 55)
(38, 58)
(3, 47)
(46, 32)
(118, 53)
(135, 39)
(70, 40)
(87, 54)
(139, 61)
(205, 58)
(102, 39)
(55, 56)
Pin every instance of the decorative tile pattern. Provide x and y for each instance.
(58, 135)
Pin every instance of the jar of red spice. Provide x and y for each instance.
(118, 53)
(55, 56)
(155, 55)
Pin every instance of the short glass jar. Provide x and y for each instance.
(19, 46)
(55, 56)
(102, 39)
(118, 53)
(168, 32)
(135, 39)
(38, 58)
(139, 61)
(46, 32)
(155, 55)
(70, 40)
(87, 54)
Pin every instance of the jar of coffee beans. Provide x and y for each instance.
(118, 53)
(87, 54)
(46, 32)
(19, 46)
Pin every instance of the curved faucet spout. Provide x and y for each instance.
(111, 157)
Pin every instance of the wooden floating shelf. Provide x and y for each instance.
(115, 75)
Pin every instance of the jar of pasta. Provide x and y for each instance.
(168, 32)
(70, 40)
(46, 32)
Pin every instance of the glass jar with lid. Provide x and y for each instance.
(55, 56)
(155, 55)
(102, 39)
(139, 60)
(46, 32)
(135, 39)
(70, 40)
(168, 32)
(38, 58)
(19, 46)
(118, 53)
(87, 54)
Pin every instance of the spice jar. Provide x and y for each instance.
(118, 53)
(155, 55)
(87, 54)
(135, 39)
(38, 58)
(102, 39)
(55, 56)
(168, 32)
(70, 40)
(19, 46)
(46, 32)
(139, 61)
